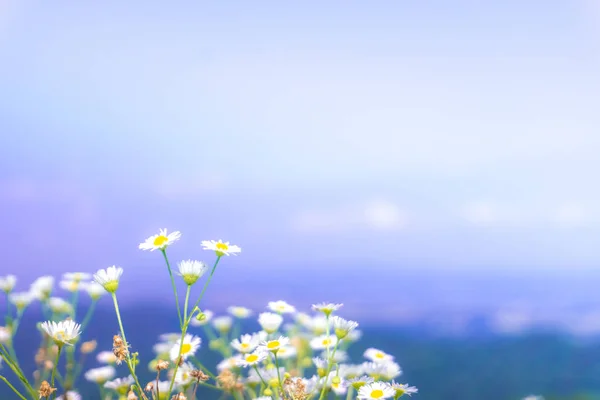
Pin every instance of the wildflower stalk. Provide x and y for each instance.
(16, 369)
(202, 367)
(349, 395)
(183, 332)
(278, 373)
(207, 282)
(164, 252)
(260, 376)
(55, 368)
(13, 388)
(129, 363)
(329, 366)
(88, 315)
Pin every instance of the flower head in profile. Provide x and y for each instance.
(160, 241)
(270, 322)
(190, 345)
(378, 356)
(120, 385)
(22, 299)
(343, 327)
(223, 323)
(63, 332)
(100, 375)
(360, 381)
(191, 270)
(42, 287)
(202, 318)
(326, 308)
(94, 289)
(69, 285)
(252, 359)
(376, 391)
(221, 248)
(7, 283)
(5, 334)
(70, 395)
(106, 357)
(109, 278)
(402, 389)
(76, 276)
(59, 306)
(281, 307)
(239, 312)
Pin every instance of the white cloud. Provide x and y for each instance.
(376, 215)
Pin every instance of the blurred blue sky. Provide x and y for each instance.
(394, 134)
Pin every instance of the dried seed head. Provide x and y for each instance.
(227, 380)
(48, 365)
(131, 396)
(199, 375)
(88, 347)
(149, 387)
(162, 365)
(40, 356)
(45, 389)
(119, 349)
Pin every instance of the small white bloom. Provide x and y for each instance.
(229, 363)
(207, 317)
(281, 307)
(100, 375)
(270, 322)
(22, 299)
(340, 356)
(183, 376)
(246, 343)
(163, 387)
(239, 312)
(42, 287)
(318, 325)
(326, 308)
(69, 286)
(109, 278)
(70, 395)
(160, 241)
(220, 248)
(106, 357)
(403, 388)
(76, 276)
(222, 323)
(354, 335)
(5, 334)
(388, 370)
(286, 352)
(320, 363)
(191, 270)
(190, 346)
(377, 356)
(249, 360)
(63, 332)
(376, 391)
(323, 342)
(120, 385)
(94, 289)
(162, 348)
(274, 345)
(359, 381)
(60, 306)
(170, 337)
(7, 283)
(349, 371)
(343, 327)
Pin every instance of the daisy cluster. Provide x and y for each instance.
(294, 356)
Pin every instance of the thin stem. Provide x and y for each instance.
(328, 332)
(114, 296)
(16, 369)
(278, 373)
(195, 360)
(12, 387)
(260, 376)
(349, 395)
(74, 301)
(54, 369)
(207, 282)
(164, 252)
(329, 365)
(157, 389)
(88, 315)
(183, 332)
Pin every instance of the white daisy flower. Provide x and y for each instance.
(377, 355)
(120, 385)
(403, 388)
(350, 371)
(95, 290)
(249, 360)
(100, 375)
(69, 286)
(109, 278)
(63, 332)
(270, 322)
(320, 363)
(207, 316)
(229, 363)
(239, 312)
(191, 270)
(388, 370)
(170, 337)
(274, 345)
(7, 283)
(360, 381)
(163, 388)
(326, 308)
(323, 342)
(340, 356)
(286, 352)
(190, 345)
(246, 343)
(106, 357)
(183, 375)
(21, 299)
(221, 248)
(354, 335)
(223, 323)
(77, 276)
(42, 287)
(376, 391)
(60, 306)
(162, 348)
(5, 334)
(342, 326)
(281, 307)
(318, 325)
(70, 395)
(160, 241)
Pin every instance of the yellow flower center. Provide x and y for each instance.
(222, 246)
(326, 342)
(73, 286)
(244, 345)
(273, 345)
(379, 355)
(186, 348)
(377, 394)
(251, 358)
(60, 335)
(160, 240)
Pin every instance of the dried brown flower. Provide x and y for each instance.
(88, 347)
(119, 349)
(199, 375)
(162, 365)
(45, 389)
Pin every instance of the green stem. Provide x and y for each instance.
(12, 387)
(207, 282)
(164, 252)
(88, 315)
(14, 366)
(74, 301)
(129, 364)
(54, 369)
(349, 395)
(278, 373)
(329, 365)
(183, 332)
(260, 376)
(202, 367)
